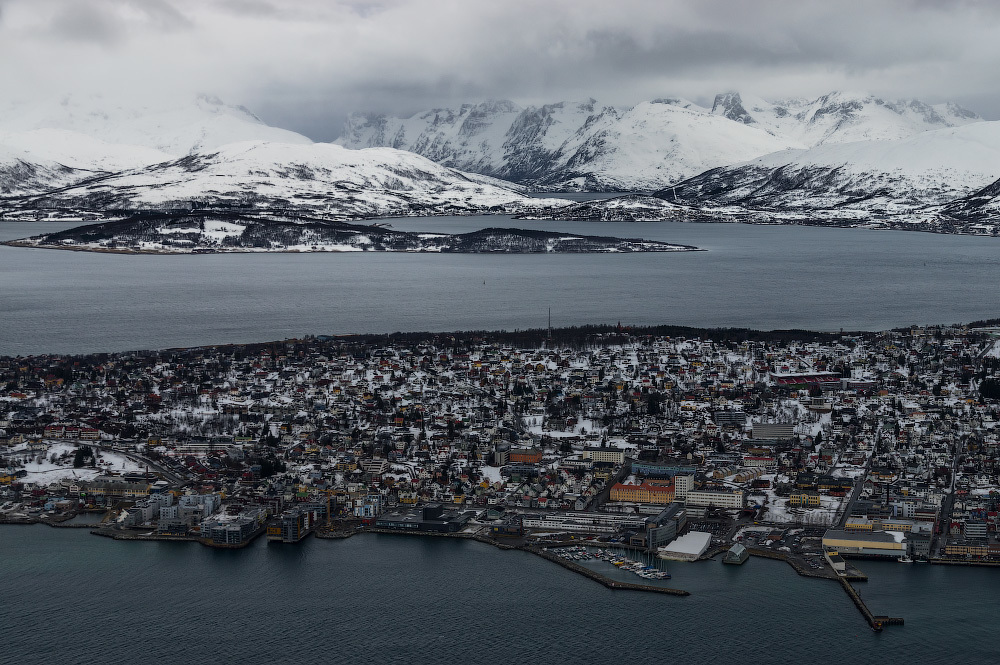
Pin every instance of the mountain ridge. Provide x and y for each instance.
(589, 146)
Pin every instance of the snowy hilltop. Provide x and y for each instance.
(319, 179)
(85, 156)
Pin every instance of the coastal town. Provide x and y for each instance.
(634, 447)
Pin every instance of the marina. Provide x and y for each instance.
(643, 569)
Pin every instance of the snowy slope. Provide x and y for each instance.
(177, 128)
(22, 173)
(929, 168)
(570, 145)
(315, 178)
(655, 143)
(602, 148)
(980, 206)
(80, 151)
(841, 117)
(496, 138)
(470, 138)
(45, 146)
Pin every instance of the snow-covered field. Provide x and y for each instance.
(42, 470)
(491, 474)
(779, 510)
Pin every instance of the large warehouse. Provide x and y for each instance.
(875, 543)
(688, 547)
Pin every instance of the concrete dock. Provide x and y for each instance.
(877, 622)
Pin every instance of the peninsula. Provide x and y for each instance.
(809, 447)
(194, 232)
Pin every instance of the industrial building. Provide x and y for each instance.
(865, 544)
(584, 522)
(661, 529)
(688, 547)
(431, 518)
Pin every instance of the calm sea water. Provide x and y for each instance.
(73, 597)
(757, 276)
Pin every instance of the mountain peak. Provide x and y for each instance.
(730, 105)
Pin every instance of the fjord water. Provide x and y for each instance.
(755, 276)
(73, 597)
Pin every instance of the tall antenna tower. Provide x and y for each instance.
(549, 337)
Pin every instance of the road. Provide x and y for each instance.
(849, 504)
(947, 505)
(602, 497)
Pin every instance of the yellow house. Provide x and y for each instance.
(806, 499)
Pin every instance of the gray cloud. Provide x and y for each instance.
(305, 64)
(83, 23)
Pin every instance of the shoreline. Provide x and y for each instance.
(542, 552)
(875, 622)
(671, 248)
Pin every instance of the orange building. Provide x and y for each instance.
(525, 456)
(643, 493)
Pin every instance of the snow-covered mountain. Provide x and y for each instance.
(83, 155)
(45, 146)
(885, 177)
(318, 179)
(841, 157)
(80, 151)
(841, 117)
(22, 173)
(570, 146)
(602, 148)
(982, 205)
(177, 128)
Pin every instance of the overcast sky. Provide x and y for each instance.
(304, 64)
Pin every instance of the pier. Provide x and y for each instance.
(877, 622)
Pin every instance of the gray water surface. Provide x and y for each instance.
(762, 277)
(73, 597)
